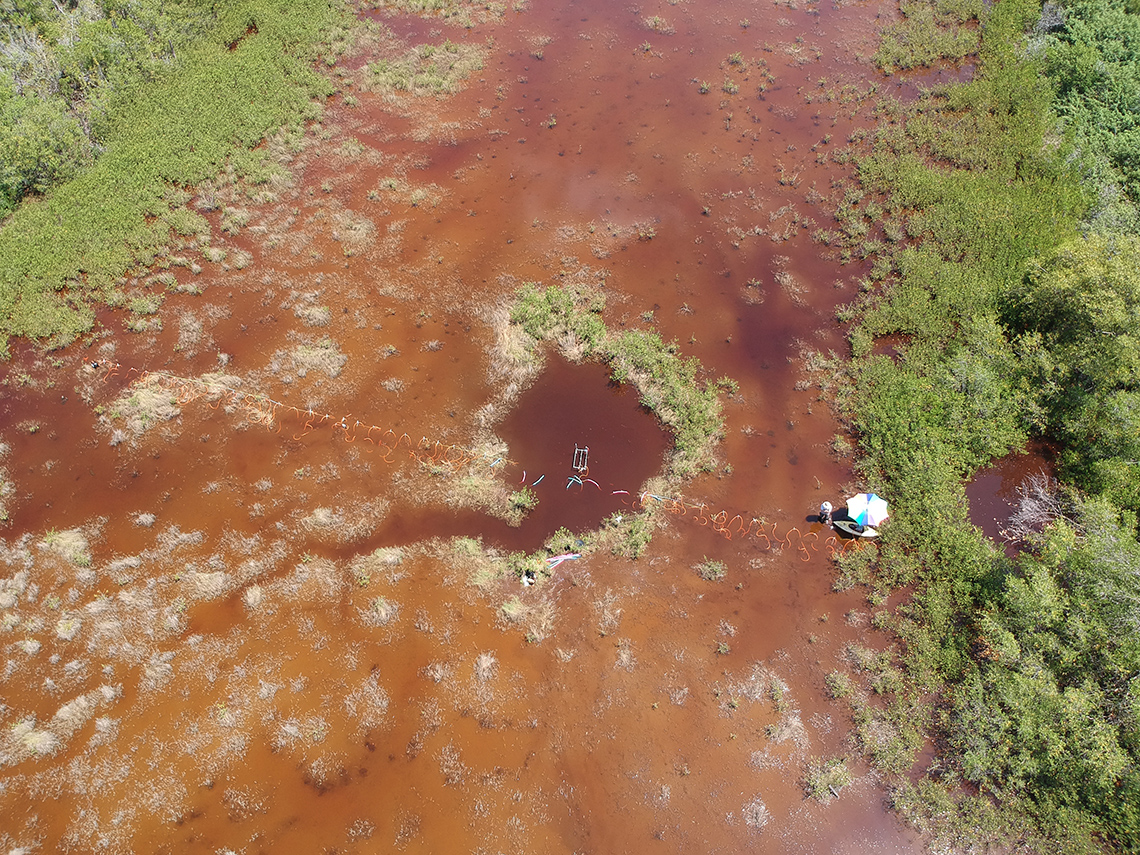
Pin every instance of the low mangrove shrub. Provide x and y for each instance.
(1012, 298)
(157, 125)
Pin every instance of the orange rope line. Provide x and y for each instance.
(722, 524)
(261, 409)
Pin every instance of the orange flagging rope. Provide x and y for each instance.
(728, 527)
(262, 410)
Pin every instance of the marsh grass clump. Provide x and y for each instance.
(367, 704)
(208, 585)
(561, 315)
(514, 610)
(71, 544)
(355, 232)
(383, 562)
(486, 666)
(564, 541)
(388, 556)
(521, 502)
(313, 316)
(622, 533)
(67, 627)
(323, 355)
(23, 740)
(712, 571)
(148, 403)
(625, 659)
(483, 567)
(427, 69)
(839, 685)
(344, 525)
(823, 779)
(397, 189)
(755, 814)
(323, 518)
(253, 597)
(474, 482)
(381, 611)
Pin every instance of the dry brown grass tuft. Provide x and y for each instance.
(380, 612)
(355, 231)
(368, 703)
(208, 586)
(486, 666)
(253, 597)
(313, 316)
(755, 814)
(323, 355)
(346, 525)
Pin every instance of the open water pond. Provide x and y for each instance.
(994, 492)
(572, 414)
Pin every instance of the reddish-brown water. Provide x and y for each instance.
(258, 696)
(993, 491)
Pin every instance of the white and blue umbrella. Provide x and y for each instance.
(867, 509)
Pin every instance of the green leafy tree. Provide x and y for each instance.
(1079, 315)
(1051, 712)
(1092, 56)
(41, 144)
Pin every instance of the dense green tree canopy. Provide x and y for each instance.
(1092, 56)
(1051, 712)
(1078, 314)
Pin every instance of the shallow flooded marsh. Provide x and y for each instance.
(261, 577)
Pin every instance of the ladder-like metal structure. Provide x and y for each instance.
(581, 458)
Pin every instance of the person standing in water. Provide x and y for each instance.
(825, 513)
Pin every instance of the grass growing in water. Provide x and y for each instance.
(209, 105)
(428, 69)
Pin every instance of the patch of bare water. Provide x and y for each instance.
(993, 491)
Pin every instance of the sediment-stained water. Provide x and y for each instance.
(252, 591)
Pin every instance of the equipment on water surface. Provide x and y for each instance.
(853, 528)
(581, 459)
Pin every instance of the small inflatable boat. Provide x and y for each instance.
(853, 529)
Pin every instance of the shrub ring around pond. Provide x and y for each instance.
(667, 383)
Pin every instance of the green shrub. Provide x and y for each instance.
(173, 122)
(712, 571)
